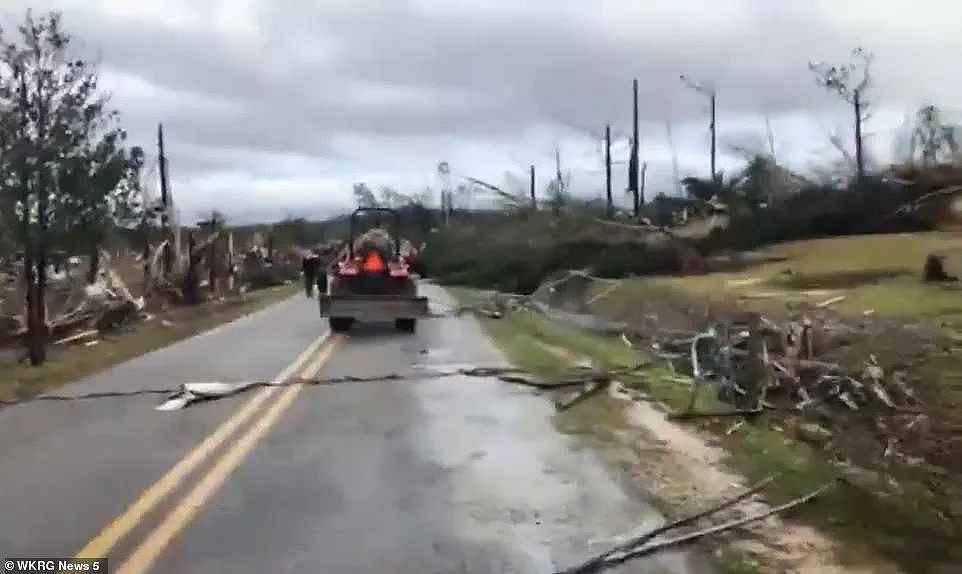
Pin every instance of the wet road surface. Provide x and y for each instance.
(435, 475)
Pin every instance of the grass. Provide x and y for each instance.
(874, 272)
(72, 363)
(905, 529)
(740, 566)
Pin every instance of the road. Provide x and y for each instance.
(417, 476)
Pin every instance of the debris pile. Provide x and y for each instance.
(793, 378)
(79, 311)
(496, 305)
(754, 364)
(88, 309)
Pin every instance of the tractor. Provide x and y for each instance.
(372, 281)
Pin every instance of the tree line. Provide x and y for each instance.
(68, 177)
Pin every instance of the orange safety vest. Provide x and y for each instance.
(373, 262)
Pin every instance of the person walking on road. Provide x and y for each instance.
(310, 266)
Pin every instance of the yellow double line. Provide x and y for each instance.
(177, 519)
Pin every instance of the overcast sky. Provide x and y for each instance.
(275, 107)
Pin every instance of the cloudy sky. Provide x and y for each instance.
(274, 108)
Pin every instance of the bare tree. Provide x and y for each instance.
(531, 191)
(707, 90)
(770, 134)
(850, 82)
(676, 179)
(637, 198)
(364, 195)
(932, 138)
(609, 201)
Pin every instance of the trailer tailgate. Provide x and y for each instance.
(373, 307)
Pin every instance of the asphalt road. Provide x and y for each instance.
(416, 476)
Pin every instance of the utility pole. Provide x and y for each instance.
(609, 206)
(710, 92)
(164, 198)
(534, 200)
(636, 196)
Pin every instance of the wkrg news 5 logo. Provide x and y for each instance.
(51, 566)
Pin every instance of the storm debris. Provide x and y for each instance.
(648, 543)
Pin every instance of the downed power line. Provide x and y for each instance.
(189, 393)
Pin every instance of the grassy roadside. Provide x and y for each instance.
(72, 363)
(906, 527)
(876, 273)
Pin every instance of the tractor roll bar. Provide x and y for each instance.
(396, 232)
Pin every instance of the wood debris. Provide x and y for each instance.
(654, 540)
(829, 302)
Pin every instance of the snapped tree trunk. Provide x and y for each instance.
(755, 376)
(609, 201)
(212, 267)
(36, 325)
(191, 286)
(145, 253)
(534, 199)
(859, 159)
(641, 190)
(94, 267)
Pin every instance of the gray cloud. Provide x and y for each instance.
(349, 87)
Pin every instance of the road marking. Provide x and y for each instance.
(146, 553)
(101, 544)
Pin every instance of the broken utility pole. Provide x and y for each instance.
(636, 195)
(609, 201)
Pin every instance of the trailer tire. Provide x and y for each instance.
(340, 324)
(406, 325)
